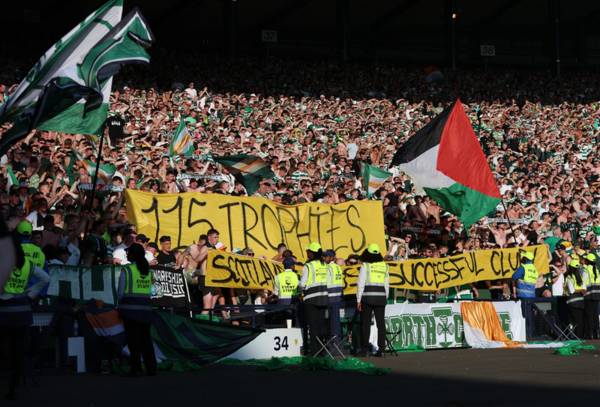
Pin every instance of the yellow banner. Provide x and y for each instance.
(445, 272)
(257, 223)
(235, 271)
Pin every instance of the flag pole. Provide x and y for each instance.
(98, 160)
(509, 222)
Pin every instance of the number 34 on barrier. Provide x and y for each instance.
(281, 343)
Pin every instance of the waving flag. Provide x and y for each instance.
(182, 141)
(373, 178)
(105, 172)
(68, 88)
(12, 178)
(445, 160)
(248, 169)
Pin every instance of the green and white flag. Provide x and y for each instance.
(12, 178)
(373, 178)
(249, 170)
(105, 173)
(68, 88)
(182, 141)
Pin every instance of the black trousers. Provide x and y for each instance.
(576, 318)
(590, 311)
(365, 321)
(17, 339)
(140, 344)
(316, 324)
(527, 311)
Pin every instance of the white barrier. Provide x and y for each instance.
(277, 342)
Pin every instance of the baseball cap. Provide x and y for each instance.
(527, 255)
(314, 247)
(574, 263)
(329, 253)
(165, 239)
(24, 228)
(590, 257)
(373, 248)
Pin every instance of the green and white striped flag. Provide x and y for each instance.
(105, 173)
(68, 88)
(12, 178)
(373, 178)
(182, 141)
(249, 170)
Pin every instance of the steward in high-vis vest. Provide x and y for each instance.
(526, 276)
(16, 314)
(335, 288)
(285, 286)
(135, 307)
(592, 296)
(34, 253)
(371, 296)
(316, 298)
(575, 284)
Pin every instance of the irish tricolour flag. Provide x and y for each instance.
(445, 160)
(373, 178)
(182, 141)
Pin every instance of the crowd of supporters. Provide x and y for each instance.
(315, 123)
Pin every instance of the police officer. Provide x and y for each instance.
(335, 287)
(135, 307)
(16, 314)
(371, 296)
(526, 276)
(575, 290)
(592, 296)
(314, 286)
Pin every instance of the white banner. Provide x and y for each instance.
(440, 325)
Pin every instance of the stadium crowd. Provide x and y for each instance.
(315, 123)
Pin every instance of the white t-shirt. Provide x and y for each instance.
(120, 254)
(149, 256)
(34, 218)
(558, 287)
(192, 93)
(352, 150)
(74, 255)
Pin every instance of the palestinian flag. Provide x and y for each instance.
(248, 170)
(373, 178)
(68, 88)
(182, 141)
(445, 160)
